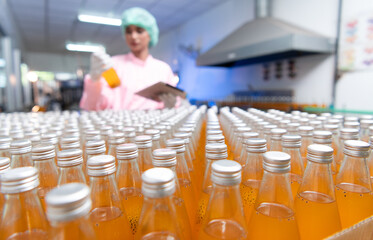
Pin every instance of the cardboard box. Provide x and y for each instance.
(360, 231)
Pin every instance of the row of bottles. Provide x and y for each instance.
(165, 175)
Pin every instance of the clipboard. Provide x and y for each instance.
(152, 92)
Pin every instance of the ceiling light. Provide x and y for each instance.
(32, 76)
(99, 20)
(83, 47)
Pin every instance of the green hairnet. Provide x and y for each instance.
(141, 18)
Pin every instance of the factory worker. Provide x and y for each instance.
(136, 70)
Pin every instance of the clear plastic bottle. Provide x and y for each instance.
(276, 138)
(20, 151)
(50, 138)
(70, 163)
(23, 216)
(239, 142)
(70, 142)
(159, 219)
(252, 174)
(291, 145)
(68, 208)
(325, 138)
(184, 197)
(267, 133)
(5, 146)
(108, 216)
(4, 166)
(224, 217)
(115, 140)
(156, 135)
(353, 186)
(144, 144)
(129, 182)
(345, 134)
(214, 152)
(274, 215)
(315, 204)
(129, 134)
(245, 137)
(364, 131)
(306, 133)
(44, 156)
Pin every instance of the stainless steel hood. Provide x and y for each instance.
(265, 39)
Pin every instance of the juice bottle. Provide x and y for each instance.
(115, 140)
(252, 174)
(224, 217)
(315, 204)
(306, 133)
(68, 209)
(364, 131)
(183, 197)
(44, 156)
(70, 163)
(243, 155)
(4, 166)
(276, 138)
(93, 148)
(155, 135)
(19, 185)
(129, 182)
(333, 128)
(70, 142)
(325, 138)
(239, 142)
(5, 146)
(274, 216)
(159, 218)
(20, 151)
(214, 152)
(189, 179)
(267, 133)
(144, 144)
(105, 132)
(107, 215)
(345, 134)
(291, 145)
(129, 134)
(353, 186)
(293, 128)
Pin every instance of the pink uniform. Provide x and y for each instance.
(135, 75)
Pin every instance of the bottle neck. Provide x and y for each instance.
(318, 178)
(21, 160)
(296, 160)
(253, 170)
(354, 171)
(104, 191)
(128, 174)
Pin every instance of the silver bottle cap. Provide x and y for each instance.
(243, 129)
(248, 135)
(70, 142)
(216, 151)
(4, 164)
(305, 131)
(19, 180)
(69, 157)
(366, 123)
(129, 132)
(158, 183)
(68, 202)
(127, 151)
(176, 144)
(164, 157)
(322, 137)
(226, 172)
(43, 152)
(50, 138)
(276, 133)
(116, 138)
(214, 132)
(349, 134)
(268, 128)
(182, 135)
(213, 127)
(95, 147)
(356, 148)
(154, 133)
(215, 139)
(106, 130)
(277, 162)
(293, 126)
(143, 141)
(101, 165)
(284, 123)
(355, 125)
(5, 143)
(333, 128)
(319, 153)
(20, 147)
(291, 141)
(256, 145)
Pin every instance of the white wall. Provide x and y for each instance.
(354, 89)
(315, 73)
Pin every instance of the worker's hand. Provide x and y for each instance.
(168, 99)
(100, 61)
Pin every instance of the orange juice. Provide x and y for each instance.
(132, 203)
(317, 215)
(188, 196)
(295, 181)
(354, 203)
(182, 216)
(249, 192)
(110, 223)
(202, 206)
(222, 229)
(273, 221)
